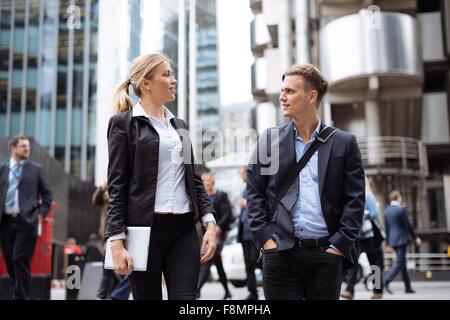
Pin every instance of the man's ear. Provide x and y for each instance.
(313, 94)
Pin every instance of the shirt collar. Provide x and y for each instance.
(13, 163)
(315, 133)
(139, 111)
(395, 203)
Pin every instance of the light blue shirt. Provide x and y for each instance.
(307, 215)
(15, 208)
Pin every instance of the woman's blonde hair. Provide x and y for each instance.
(142, 67)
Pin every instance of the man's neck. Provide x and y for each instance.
(306, 125)
(16, 159)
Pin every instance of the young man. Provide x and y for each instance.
(308, 239)
(399, 230)
(22, 185)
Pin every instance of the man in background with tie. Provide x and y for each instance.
(22, 185)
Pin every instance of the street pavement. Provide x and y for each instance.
(426, 290)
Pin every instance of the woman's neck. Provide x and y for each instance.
(153, 108)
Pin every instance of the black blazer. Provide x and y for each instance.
(399, 230)
(133, 147)
(341, 188)
(33, 186)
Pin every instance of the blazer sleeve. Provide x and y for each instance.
(257, 195)
(118, 176)
(407, 223)
(353, 201)
(387, 227)
(45, 193)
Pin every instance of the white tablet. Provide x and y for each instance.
(137, 244)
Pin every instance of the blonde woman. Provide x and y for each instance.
(152, 182)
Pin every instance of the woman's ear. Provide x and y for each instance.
(144, 85)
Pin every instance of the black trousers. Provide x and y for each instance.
(174, 251)
(18, 240)
(302, 273)
(108, 283)
(251, 256)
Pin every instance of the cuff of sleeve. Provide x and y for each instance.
(120, 236)
(209, 217)
(331, 246)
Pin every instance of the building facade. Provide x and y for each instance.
(48, 77)
(119, 42)
(387, 63)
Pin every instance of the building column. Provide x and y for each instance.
(372, 130)
(446, 179)
(193, 129)
(302, 31)
(182, 112)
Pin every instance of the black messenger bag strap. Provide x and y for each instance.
(292, 174)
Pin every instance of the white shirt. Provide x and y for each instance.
(15, 208)
(395, 203)
(171, 195)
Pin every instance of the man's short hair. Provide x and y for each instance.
(15, 140)
(312, 76)
(209, 175)
(395, 195)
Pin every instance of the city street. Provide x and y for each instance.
(433, 290)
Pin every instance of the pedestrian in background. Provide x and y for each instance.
(110, 279)
(224, 218)
(251, 253)
(400, 233)
(369, 241)
(152, 182)
(25, 200)
(100, 198)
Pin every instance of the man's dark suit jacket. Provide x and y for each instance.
(224, 212)
(341, 187)
(398, 226)
(33, 186)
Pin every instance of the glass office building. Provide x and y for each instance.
(207, 67)
(206, 61)
(48, 52)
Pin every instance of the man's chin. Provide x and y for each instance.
(287, 114)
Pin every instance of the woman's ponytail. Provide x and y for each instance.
(122, 101)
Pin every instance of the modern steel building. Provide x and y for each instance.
(387, 63)
(52, 78)
(190, 39)
(48, 77)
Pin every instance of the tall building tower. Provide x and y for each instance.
(47, 70)
(207, 65)
(189, 38)
(119, 42)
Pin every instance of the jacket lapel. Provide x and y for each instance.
(324, 157)
(24, 172)
(287, 161)
(286, 156)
